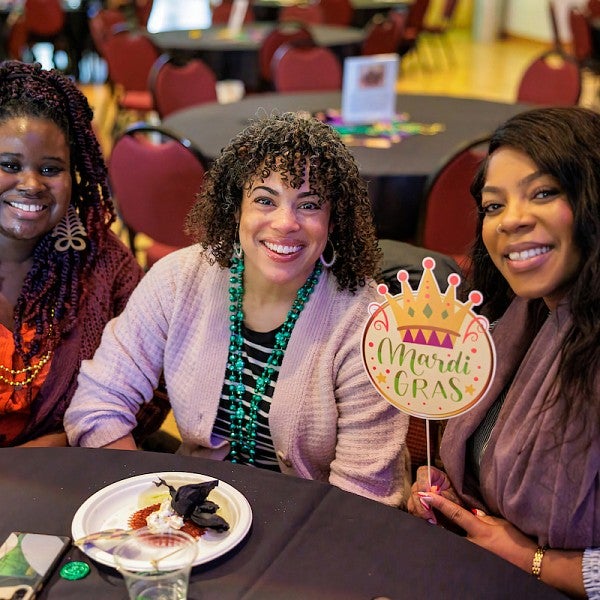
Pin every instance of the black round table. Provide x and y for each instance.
(308, 540)
(396, 175)
(364, 10)
(236, 56)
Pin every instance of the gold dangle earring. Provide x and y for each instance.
(237, 246)
(70, 232)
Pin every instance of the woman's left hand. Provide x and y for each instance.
(560, 568)
(492, 533)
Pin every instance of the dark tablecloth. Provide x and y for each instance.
(308, 540)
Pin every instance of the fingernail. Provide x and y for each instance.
(432, 521)
(424, 494)
(477, 512)
(425, 504)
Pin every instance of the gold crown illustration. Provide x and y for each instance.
(427, 316)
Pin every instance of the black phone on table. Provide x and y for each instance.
(26, 561)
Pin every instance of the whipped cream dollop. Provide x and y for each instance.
(164, 518)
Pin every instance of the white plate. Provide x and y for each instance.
(111, 507)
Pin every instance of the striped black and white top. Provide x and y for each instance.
(256, 350)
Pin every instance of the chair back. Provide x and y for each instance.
(44, 18)
(154, 182)
(101, 24)
(449, 9)
(129, 56)
(415, 17)
(175, 86)
(306, 68)
(581, 35)
(414, 25)
(302, 13)
(593, 8)
(282, 34)
(143, 8)
(382, 36)
(554, 78)
(448, 216)
(337, 12)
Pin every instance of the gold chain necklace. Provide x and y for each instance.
(33, 370)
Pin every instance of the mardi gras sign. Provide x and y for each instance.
(425, 351)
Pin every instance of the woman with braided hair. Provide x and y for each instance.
(63, 274)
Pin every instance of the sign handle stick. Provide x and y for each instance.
(428, 438)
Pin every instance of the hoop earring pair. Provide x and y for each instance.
(328, 263)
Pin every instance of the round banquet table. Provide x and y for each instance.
(236, 57)
(397, 175)
(308, 540)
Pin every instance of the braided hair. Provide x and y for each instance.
(55, 285)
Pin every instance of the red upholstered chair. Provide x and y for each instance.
(175, 86)
(301, 13)
(337, 12)
(581, 41)
(382, 36)
(554, 78)
(593, 8)
(282, 34)
(130, 56)
(413, 27)
(154, 183)
(44, 17)
(306, 68)
(100, 25)
(142, 11)
(448, 214)
(42, 21)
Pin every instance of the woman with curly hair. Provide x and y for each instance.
(63, 274)
(258, 326)
(527, 458)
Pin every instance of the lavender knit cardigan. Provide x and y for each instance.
(327, 421)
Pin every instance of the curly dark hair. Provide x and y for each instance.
(564, 143)
(54, 287)
(286, 143)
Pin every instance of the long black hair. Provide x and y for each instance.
(564, 143)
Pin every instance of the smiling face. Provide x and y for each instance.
(528, 227)
(282, 232)
(35, 179)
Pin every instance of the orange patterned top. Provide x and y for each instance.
(15, 401)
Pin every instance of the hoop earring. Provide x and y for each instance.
(70, 232)
(237, 247)
(324, 262)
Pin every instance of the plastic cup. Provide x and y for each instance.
(156, 566)
(230, 90)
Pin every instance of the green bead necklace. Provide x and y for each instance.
(243, 435)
